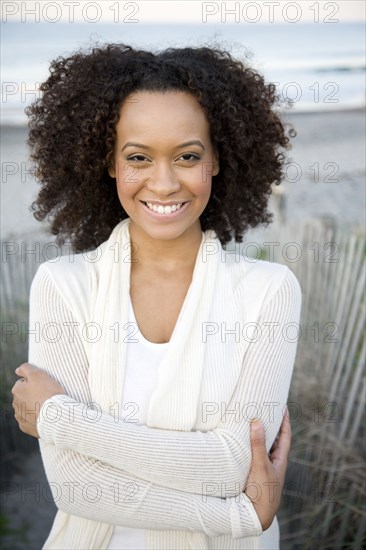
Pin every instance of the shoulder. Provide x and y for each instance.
(256, 273)
(270, 276)
(68, 278)
(258, 282)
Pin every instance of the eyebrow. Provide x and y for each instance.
(142, 146)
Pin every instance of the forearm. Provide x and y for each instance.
(189, 460)
(181, 467)
(88, 488)
(179, 460)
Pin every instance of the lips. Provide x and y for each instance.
(166, 209)
(170, 203)
(170, 213)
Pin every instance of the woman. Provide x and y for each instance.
(155, 350)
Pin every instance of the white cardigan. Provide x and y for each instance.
(181, 476)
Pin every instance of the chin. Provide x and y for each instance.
(163, 232)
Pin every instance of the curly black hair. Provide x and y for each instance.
(72, 136)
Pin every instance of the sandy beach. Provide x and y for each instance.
(313, 62)
(326, 179)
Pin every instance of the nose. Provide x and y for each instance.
(163, 180)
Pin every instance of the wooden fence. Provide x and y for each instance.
(325, 484)
(323, 505)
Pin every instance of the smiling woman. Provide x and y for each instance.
(163, 161)
(78, 190)
(163, 165)
(163, 149)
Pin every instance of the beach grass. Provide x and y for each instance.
(323, 500)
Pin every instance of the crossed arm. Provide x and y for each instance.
(190, 462)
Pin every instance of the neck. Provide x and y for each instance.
(165, 255)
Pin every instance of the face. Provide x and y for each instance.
(163, 163)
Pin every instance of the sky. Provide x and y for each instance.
(182, 11)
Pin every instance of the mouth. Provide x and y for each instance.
(169, 211)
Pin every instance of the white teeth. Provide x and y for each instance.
(164, 209)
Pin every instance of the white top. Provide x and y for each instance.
(177, 473)
(141, 378)
(143, 358)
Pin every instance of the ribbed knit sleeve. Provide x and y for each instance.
(198, 461)
(88, 487)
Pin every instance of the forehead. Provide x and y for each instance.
(162, 113)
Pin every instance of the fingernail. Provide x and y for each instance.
(256, 423)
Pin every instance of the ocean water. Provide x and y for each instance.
(320, 67)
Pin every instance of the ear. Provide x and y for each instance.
(216, 164)
(112, 171)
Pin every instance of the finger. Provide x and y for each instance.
(16, 387)
(285, 434)
(25, 370)
(15, 405)
(275, 444)
(282, 446)
(285, 424)
(20, 371)
(286, 416)
(258, 442)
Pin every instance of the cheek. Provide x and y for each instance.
(127, 179)
(203, 181)
(204, 178)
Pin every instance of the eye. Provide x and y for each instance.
(137, 158)
(190, 156)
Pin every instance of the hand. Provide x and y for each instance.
(29, 394)
(267, 474)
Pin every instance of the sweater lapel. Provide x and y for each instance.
(174, 403)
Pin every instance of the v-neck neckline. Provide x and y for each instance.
(196, 268)
(146, 342)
